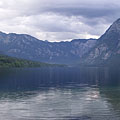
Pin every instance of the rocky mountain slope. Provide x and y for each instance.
(28, 47)
(107, 48)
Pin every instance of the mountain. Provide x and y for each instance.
(6, 61)
(27, 47)
(101, 52)
(107, 49)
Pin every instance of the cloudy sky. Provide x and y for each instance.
(57, 20)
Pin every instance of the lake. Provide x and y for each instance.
(60, 93)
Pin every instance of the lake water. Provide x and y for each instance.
(60, 94)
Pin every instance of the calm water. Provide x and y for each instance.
(60, 94)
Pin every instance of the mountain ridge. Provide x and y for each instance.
(28, 47)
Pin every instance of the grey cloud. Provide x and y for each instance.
(85, 12)
(58, 20)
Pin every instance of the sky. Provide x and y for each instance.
(58, 20)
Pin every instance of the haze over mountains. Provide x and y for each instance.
(85, 51)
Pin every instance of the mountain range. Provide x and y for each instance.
(102, 51)
(27, 47)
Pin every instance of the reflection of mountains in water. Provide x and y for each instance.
(29, 79)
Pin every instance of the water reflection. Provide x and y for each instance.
(60, 94)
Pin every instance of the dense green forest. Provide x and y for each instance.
(6, 61)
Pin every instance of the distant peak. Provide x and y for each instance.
(116, 23)
(118, 20)
(115, 27)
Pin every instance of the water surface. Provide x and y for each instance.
(60, 94)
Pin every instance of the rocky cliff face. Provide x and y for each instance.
(107, 48)
(28, 47)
